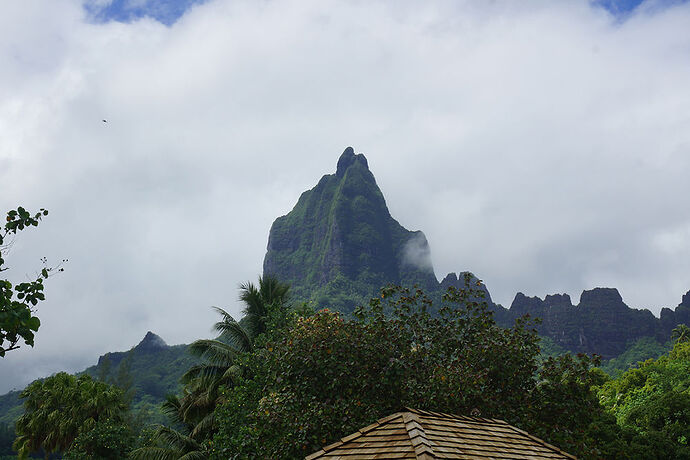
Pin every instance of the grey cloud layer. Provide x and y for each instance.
(544, 147)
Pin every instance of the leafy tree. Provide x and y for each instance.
(639, 351)
(18, 302)
(107, 440)
(653, 401)
(62, 408)
(327, 376)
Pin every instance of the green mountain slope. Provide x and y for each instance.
(152, 369)
(339, 244)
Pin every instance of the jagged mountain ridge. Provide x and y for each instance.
(601, 323)
(339, 245)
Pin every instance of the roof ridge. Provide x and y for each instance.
(415, 431)
(454, 416)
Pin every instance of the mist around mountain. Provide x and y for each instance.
(339, 245)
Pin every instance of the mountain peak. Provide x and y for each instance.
(339, 244)
(600, 297)
(349, 158)
(151, 342)
(686, 299)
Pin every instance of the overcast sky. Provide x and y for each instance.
(543, 145)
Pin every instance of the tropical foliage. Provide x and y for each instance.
(681, 334)
(639, 351)
(326, 376)
(653, 401)
(165, 443)
(265, 308)
(107, 440)
(285, 381)
(62, 408)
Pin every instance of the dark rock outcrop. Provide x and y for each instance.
(601, 323)
(685, 302)
(458, 282)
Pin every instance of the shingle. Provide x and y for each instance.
(424, 435)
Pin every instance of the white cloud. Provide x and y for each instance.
(543, 146)
(416, 253)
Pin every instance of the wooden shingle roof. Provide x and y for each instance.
(417, 434)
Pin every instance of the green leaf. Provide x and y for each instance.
(33, 323)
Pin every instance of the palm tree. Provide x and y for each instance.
(204, 380)
(263, 307)
(680, 334)
(260, 303)
(168, 443)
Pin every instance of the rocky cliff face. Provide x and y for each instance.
(601, 323)
(340, 244)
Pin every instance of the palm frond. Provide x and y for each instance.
(171, 408)
(213, 351)
(204, 426)
(154, 453)
(203, 374)
(166, 444)
(226, 316)
(272, 291)
(196, 455)
(239, 337)
(174, 438)
(231, 374)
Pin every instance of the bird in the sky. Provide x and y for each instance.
(105, 121)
